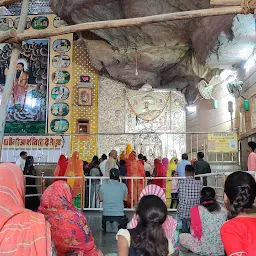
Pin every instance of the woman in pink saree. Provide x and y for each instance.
(134, 168)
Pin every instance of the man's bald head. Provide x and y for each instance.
(113, 153)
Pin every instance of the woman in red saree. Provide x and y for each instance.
(69, 228)
(158, 173)
(134, 168)
(61, 167)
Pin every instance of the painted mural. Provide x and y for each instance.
(60, 84)
(27, 105)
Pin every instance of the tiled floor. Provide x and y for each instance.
(107, 242)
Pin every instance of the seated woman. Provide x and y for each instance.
(170, 223)
(23, 232)
(69, 227)
(148, 237)
(239, 233)
(206, 221)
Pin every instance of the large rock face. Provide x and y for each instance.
(162, 51)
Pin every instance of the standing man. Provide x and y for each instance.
(111, 162)
(22, 160)
(113, 194)
(252, 156)
(202, 167)
(182, 164)
(103, 160)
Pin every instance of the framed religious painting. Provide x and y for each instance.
(84, 96)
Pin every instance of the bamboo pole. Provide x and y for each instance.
(11, 73)
(129, 22)
(226, 2)
(8, 2)
(6, 35)
(250, 4)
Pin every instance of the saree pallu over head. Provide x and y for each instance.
(170, 223)
(22, 232)
(74, 169)
(158, 173)
(134, 168)
(70, 231)
(61, 167)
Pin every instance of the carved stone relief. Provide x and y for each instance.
(138, 117)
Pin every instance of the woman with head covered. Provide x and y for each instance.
(23, 232)
(70, 231)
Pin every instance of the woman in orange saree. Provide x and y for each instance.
(75, 169)
(134, 168)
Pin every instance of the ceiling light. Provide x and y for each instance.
(191, 108)
(227, 73)
(249, 64)
(146, 88)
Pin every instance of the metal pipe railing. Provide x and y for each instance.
(192, 142)
(87, 184)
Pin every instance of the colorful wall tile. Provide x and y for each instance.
(87, 144)
(60, 84)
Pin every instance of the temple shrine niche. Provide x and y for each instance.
(147, 120)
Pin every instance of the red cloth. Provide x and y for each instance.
(239, 236)
(134, 168)
(61, 167)
(158, 173)
(141, 161)
(69, 227)
(196, 223)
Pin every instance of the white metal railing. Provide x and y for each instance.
(46, 148)
(89, 192)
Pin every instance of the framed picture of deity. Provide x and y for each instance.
(84, 96)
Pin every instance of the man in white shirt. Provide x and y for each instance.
(22, 160)
(147, 167)
(111, 162)
(103, 160)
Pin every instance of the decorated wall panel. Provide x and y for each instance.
(146, 120)
(82, 107)
(60, 84)
(28, 103)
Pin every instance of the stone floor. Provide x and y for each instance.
(107, 242)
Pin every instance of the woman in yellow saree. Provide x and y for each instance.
(74, 169)
(168, 192)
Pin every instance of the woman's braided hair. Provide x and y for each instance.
(240, 188)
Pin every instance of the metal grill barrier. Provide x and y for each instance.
(89, 194)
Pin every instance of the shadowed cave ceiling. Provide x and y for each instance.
(166, 52)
